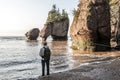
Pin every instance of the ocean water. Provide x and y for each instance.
(20, 59)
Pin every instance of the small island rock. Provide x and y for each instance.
(32, 34)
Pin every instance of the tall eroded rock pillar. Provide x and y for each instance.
(90, 30)
(57, 25)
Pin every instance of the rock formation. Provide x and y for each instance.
(32, 34)
(115, 21)
(90, 30)
(118, 33)
(46, 31)
(60, 29)
(114, 10)
(57, 25)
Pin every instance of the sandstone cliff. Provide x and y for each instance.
(115, 21)
(57, 25)
(114, 10)
(90, 30)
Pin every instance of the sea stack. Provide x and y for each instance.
(32, 34)
(90, 30)
(57, 25)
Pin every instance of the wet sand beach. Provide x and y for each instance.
(106, 68)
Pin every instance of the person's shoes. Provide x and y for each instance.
(48, 74)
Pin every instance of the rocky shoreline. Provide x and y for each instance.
(105, 69)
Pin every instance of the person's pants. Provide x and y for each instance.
(43, 67)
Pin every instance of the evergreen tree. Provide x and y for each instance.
(55, 15)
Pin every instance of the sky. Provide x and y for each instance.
(19, 16)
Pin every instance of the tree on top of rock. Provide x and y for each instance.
(55, 15)
(64, 14)
(53, 9)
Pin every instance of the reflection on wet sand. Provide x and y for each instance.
(64, 58)
(87, 57)
(60, 58)
(59, 47)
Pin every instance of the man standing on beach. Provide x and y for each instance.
(45, 54)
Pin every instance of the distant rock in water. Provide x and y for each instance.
(57, 25)
(90, 30)
(32, 34)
